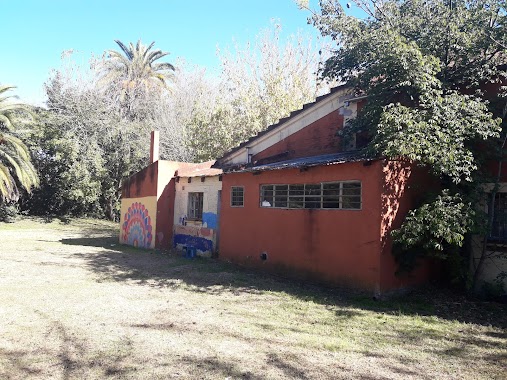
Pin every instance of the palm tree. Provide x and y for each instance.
(15, 165)
(135, 72)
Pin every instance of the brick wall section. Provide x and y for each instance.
(315, 139)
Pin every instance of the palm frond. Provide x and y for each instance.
(128, 52)
(8, 189)
(15, 164)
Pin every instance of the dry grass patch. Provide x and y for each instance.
(75, 304)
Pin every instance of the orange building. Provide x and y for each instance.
(295, 202)
(171, 204)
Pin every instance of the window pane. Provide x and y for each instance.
(281, 201)
(499, 227)
(331, 188)
(266, 196)
(312, 202)
(312, 189)
(296, 190)
(195, 203)
(281, 195)
(281, 190)
(351, 202)
(351, 188)
(296, 202)
(331, 202)
(237, 196)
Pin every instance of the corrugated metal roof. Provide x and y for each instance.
(197, 170)
(325, 159)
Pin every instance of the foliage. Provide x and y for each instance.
(84, 148)
(259, 83)
(8, 211)
(265, 80)
(436, 133)
(133, 75)
(69, 171)
(426, 67)
(16, 168)
(434, 227)
(95, 131)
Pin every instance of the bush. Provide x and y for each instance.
(8, 212)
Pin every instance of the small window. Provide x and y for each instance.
(499, 227)
(195, 201)
(237, 196)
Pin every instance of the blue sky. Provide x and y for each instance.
(36, 32)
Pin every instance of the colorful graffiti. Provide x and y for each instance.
(137, 229)
(198, 237)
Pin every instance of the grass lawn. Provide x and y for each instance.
(76, 305)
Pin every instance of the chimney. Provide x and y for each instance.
(154, 146)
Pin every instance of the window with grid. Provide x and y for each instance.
(195, 201)
(345, 195)
(237, 196)
(499, 227)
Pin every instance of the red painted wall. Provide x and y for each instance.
(166, 192)
(141, 184)
(317, 138)
(404, 185)
(333, 246)
(156, 180)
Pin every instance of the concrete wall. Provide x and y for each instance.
(496, 253)
(199, 234)
(494, 264)
(332, 246)
(138, 222)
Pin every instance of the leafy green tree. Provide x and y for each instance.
(69, 171)
(83, 148)
(15, 164)
(426, 67)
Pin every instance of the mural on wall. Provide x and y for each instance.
(209, 220)
(199, 234)
(198, 237)
(137, 228)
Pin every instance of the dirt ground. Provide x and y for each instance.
(76, 305)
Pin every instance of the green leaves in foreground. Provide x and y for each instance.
(433, 227)
(432, 72)
(439, 133)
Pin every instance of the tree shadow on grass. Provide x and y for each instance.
(16, 363)
(168, 269)
(210, 367)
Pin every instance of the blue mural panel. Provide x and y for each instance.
(200, 243)
(210, 219)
